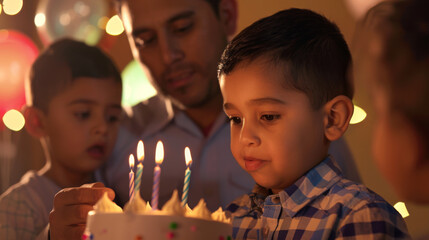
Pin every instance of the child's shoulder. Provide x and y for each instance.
(355, 198)
(359, 207)
(18, 190)
(352, 194)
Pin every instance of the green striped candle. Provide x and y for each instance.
(185, 192)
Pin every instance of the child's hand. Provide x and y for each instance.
(71, 205)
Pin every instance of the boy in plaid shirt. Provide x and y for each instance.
(287, 95)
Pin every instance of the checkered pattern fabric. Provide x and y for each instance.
(319, 205)
(25, 207)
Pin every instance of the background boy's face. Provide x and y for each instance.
(390, 134)
(276, 136)
(82, 123)
(180, 42)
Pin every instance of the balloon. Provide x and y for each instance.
(17, 53)
(78, 19)
(136, 86)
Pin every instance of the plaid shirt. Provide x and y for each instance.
(25, 207)
(319, 205)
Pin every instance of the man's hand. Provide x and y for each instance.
(71, 206)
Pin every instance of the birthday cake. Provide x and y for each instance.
(139, 222)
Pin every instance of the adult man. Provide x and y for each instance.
(180, 43)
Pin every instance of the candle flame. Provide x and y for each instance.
(188, 157)
(131, 161)
(159, 154)
(140, 151)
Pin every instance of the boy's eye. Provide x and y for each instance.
(235, 120)
(82, 115)
(270, 117)
(113, 118)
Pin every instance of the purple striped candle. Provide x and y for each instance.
(131, 177)
(159, 157)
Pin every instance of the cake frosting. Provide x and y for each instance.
(106, 205)
(136, 205)
(139, 221)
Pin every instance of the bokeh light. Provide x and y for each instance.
(358, 115)
(114, 26)
(14, 120)
(75, 19)
(12, 7)
(402, 209)
(136, 85)
(0, 8)
(40, 19)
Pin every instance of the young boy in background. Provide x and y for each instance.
(74, 106)
(392, 56)
(287, 95)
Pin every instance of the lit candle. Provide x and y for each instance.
(131, 176)
(185, 192)
(140, 157)
(159, 157)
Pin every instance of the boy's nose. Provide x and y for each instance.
(248, 136)
(100, 127)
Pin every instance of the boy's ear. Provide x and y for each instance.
(34, 121)
(228, 14)
(338, 112)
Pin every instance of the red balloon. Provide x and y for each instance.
(17, 53)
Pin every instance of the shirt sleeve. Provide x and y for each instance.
(375, 220)
(17, 217)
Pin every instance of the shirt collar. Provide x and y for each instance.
(308, 187)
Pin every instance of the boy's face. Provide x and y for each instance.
(276, 136)
(180, 42)
(82, 123)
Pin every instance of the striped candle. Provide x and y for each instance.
(159, 157)
(185, 192)
(140, 157)
(131, 177)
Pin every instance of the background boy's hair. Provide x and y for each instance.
(60, 64)
(402, 29)
(310, 49)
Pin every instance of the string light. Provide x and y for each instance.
(14, 120)
(12, 7)
(114, 26)
(358, 115)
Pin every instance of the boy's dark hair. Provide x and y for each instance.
(310, 49)
(60, 64)
(402, 29)
(214, 4)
